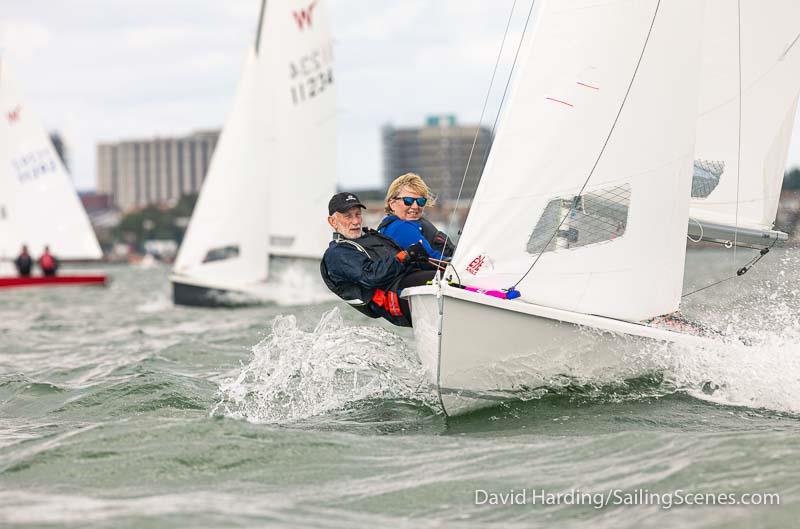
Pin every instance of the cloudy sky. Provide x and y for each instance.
(105, 70)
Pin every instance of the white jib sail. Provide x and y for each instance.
(620, 254)
(226, 240)
(770, 83)
(274, 167)
(38, 203)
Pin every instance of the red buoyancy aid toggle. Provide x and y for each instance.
(388, 300)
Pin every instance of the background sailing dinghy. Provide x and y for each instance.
(584, 201)
(38, 204)
(737, 181)
(272, 173)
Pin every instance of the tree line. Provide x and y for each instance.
(791, 179)
(154, 222)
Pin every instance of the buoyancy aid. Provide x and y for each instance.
(47, 262)
(437, 239)
(371, 302)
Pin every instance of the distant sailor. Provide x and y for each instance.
(48, 263)
(406, 199)
(368, 269)
(24, 262)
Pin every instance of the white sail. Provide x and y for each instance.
(274, 167)
(226, 240)
(746, 196)
(606, 89)
(302, 174)
(38, 203)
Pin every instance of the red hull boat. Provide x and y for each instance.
(38, 281)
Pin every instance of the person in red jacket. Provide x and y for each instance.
(48, 263)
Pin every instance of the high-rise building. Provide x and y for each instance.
(438, 152)
(138, 173)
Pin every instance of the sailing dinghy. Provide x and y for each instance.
(576, 238)
(273, 170)
(38, 204)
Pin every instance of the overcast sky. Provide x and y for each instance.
(105, 70)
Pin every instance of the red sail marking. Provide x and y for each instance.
(303, 17)
(559, 101)
(587, 85)
(476, 264)
(14, 114)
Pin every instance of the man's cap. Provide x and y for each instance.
(341, 202)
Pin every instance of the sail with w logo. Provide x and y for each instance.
(303, 17)
(283, 120)
(38, 203)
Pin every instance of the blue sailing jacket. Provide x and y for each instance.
(407, 232)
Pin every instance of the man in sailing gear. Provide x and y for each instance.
(24, 262)
(366, 268)
(406, 199)
(48, 263)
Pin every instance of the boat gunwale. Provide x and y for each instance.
(588, 320)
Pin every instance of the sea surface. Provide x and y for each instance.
(118, 409)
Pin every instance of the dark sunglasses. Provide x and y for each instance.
(421, 201)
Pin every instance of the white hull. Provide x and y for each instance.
(291, 281)
(486, 350)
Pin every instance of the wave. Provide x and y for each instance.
(294, 374)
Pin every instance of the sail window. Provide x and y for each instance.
(591, 218)
(220, 254)
(278, 241)
(705, 177)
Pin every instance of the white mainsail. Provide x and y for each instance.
(745, 197)
(274, 167)
(606, 89)
(38, 203)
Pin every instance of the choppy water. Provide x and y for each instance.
(119, 410)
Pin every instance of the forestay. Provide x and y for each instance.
(620, 252)
(38, 203)
(274, 167)
(770, 81)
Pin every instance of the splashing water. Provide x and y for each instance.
(157, 303)
(757, 364)
(293, 374)
(766, 375)
(295, 282)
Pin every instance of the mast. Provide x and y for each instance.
(260, 24)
